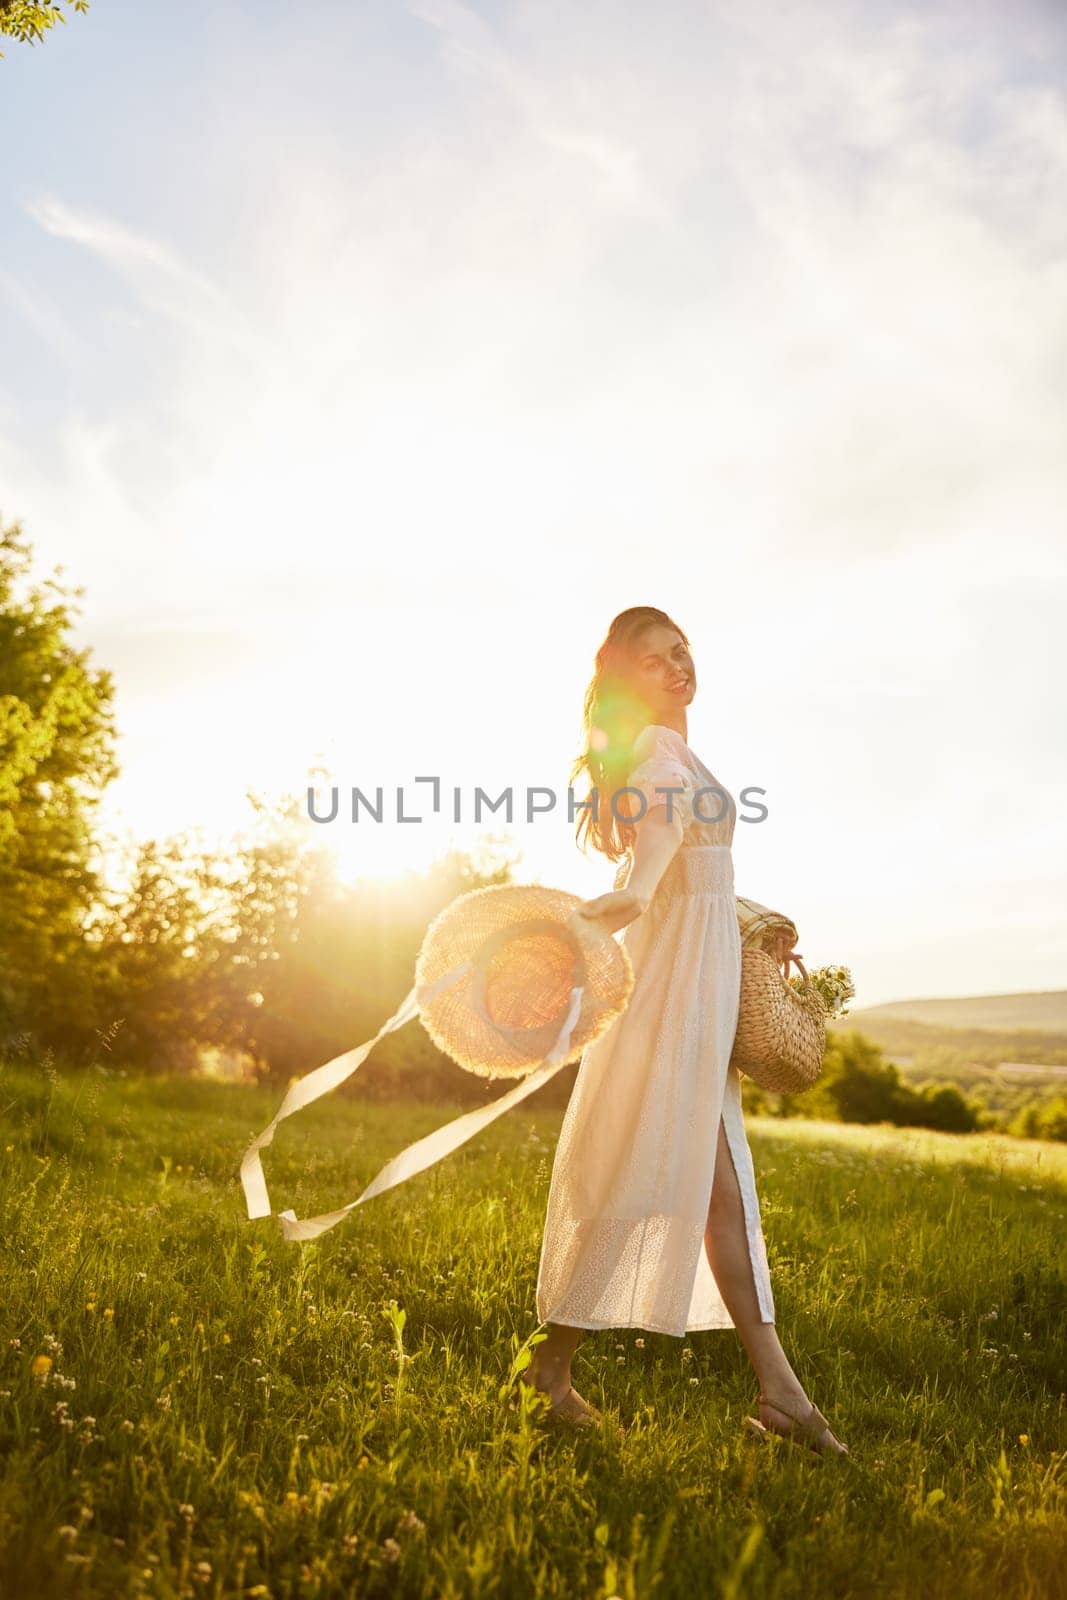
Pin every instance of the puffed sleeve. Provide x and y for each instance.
(659, 754)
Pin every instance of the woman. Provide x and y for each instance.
(652, 1218)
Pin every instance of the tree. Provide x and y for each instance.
(859, 1085)
(154, 950)
(57, 737)
(1047, 1120)
(938, 1105)
(27, 22)
(307, 966)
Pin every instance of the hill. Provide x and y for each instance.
(1025, 1030)
(1043, 1011)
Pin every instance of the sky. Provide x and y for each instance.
(361, 362)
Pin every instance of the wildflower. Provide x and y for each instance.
(14, 1344)
(687, 1354)
(410, 1523)
(226, 1340)
(640, 1344)
(349, 1543)
(109, 1312)
(52, 1344)
(68, 1533)
(202, 1571)
(90, 1305)
(126, 1426)
(200, 1327)
(1024, 1438)
(693, 1381)
(620, 1361)
(390, 1550)
(174, 1321)
(41, 1366)
(187, 1511)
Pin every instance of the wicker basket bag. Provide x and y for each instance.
(781, 1031)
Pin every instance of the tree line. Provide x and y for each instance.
(256, 948)
(182, 952)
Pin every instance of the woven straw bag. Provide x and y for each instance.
(781, 1031)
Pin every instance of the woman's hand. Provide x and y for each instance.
(780, 945)
(613, 911)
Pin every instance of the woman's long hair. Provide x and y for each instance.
(614, 714)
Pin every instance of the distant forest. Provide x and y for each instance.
(256, 959)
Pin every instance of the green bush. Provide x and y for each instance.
(1042, 1121)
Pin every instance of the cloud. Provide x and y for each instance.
(545, 103)
(43, 316)
(160, 279)
(755, 311)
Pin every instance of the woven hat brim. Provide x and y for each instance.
(456, 1021)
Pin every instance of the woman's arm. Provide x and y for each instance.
(656, 842)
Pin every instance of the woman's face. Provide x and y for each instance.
(664, 674)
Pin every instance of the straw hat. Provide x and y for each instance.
(509, 977)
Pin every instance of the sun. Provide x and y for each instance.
(380, 851)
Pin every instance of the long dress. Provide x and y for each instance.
(631, 1183)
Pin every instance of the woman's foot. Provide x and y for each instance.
(796, 1418)
(565, 1402)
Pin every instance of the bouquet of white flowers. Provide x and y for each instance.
(833, 985)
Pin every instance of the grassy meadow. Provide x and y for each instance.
(190, 1406)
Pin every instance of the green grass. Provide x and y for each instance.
(241, 1423)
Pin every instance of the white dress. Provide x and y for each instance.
(623, 1242)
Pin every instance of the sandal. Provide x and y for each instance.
(809, 1428)
(572, 1410)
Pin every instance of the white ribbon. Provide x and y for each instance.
(416, 1157)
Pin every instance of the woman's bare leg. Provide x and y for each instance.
(726, 1244)
(550, 1362)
